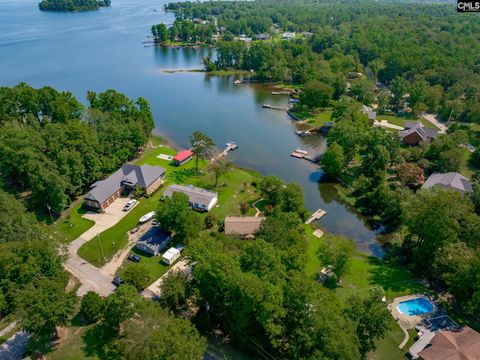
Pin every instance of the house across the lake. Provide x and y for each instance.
(450, 180)
(153, 241)
(199, 199)
(182, 157)
(102, 193)
(244, 226)
(415, 133)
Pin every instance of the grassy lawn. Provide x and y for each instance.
(152, 263)
(400, 121)
(387, 348)
(314, 118)
(71, 225)
(313, 265)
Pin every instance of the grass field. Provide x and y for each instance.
(71, 225)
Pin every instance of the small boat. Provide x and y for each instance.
(237, 82)
(300, 151)
(303, 133)
(294, 101)
(147, 217)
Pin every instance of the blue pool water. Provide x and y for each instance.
(416, 306)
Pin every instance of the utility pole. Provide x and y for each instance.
(101, 247)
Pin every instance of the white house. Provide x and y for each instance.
(199, 199)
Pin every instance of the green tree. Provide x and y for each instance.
(219, 167)
(43, 305)
(154, 334)
(333, 160)
(316, 94)
(335, 251)
(371, 319)
(176, 291)
(137, 275)
(91, 307)
(121, 305)
(201, 146)
(271, 188)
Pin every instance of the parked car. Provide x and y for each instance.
(129, 205)
(134, 258)
(147, 217)
(117, 280)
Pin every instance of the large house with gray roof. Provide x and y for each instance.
(450, 180)
(199, 199)
(415, 133)
(102, 193)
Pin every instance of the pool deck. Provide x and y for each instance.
(404, 320)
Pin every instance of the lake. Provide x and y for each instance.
(103, 50)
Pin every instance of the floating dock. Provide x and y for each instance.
(302, 154)
(315, 216)
(281, 93)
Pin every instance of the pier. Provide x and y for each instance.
(315, 216)
(275, 107)
(281, 93)
(230, 146)
(302, 154)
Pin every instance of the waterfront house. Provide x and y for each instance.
(199, 199)
(244, 226)
(415, 133)
(262, 36)
(102, 193)
(451, 180)
(463, 343)
(182, 157)
(288, 35)
(153, 241)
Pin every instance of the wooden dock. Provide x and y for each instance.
(281, 93)
(274, 107)
(302, 154)
(315, 216)
(228, 147)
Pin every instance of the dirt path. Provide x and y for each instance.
(112, 266)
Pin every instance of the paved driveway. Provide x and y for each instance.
(90, 277)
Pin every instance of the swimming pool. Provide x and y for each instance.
(416, 306)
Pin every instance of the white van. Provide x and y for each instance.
(171, 256)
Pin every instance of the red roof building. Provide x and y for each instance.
(182, 157)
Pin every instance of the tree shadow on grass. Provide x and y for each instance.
(96, 338)
(392, 278)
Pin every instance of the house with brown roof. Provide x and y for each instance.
(244, 226)
(461, 344)
(415, 133)
(450, 180)
(102, 193)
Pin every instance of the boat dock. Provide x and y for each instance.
(230, 146)
(315, 216)
(274, 107)
(281, 93)
(302, 154)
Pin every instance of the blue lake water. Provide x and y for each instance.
(102, 50)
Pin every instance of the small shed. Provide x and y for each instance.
(182, 157)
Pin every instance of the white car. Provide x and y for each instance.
(147, 217)
(129, 205)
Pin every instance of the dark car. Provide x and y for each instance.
(117, 280)
(134, 258)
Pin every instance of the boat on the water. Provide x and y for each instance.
(303, 133)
